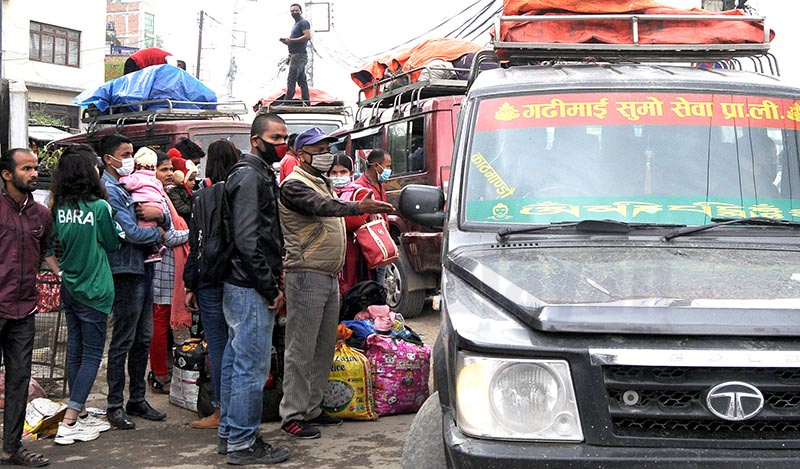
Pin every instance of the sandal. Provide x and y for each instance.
(158, 384)
(25, 457)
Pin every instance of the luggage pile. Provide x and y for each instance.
(381, 367)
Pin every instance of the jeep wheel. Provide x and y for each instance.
(424, 446)
(398, 297)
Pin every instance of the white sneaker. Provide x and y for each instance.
(68, 434)
(93, 422)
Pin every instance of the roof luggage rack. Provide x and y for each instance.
(121, 114)
(400, 85)
(338, 109)
(398, 89)
(631, 51)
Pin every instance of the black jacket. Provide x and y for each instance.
(250, 216)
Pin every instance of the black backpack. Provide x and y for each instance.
(213, 252)
(359, 296)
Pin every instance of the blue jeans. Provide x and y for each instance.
(132, 330)
(245, 364)
(209, 299)
(297, 76)
(86, 337)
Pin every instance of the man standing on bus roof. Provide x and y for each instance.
(298, 57)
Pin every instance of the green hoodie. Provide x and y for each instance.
(85, 234)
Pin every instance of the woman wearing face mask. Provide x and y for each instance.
(379, 169)
(355, 269)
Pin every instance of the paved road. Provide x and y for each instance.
(173, 443)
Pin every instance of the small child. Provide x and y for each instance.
(146, 190)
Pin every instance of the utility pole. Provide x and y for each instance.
(199, 45)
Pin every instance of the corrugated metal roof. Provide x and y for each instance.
(46, 133)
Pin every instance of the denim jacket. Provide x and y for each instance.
(130, 257)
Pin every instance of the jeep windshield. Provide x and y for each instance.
(635, 157)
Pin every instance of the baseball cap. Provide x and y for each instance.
(312, 136)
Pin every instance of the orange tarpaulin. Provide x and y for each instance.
(406, 59)
(442, 49)
(620, 32)
(317, 97)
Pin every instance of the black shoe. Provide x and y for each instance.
(222, 446)
(325, 420)
(143, 410)
(119, 419)
(258, 453)
(300, 429)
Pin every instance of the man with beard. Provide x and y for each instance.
(25, 229)
(313, 225)
(298, 57)
(251, 292)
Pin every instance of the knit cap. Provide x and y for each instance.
(145, 158)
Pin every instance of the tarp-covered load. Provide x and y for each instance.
(453, 52)
(620, 32)
(316, 96)
(160, 82)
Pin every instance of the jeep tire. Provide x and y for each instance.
(424, 446)
(397, 282)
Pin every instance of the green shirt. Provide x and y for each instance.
(85, 234)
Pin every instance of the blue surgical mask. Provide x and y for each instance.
(384, 175)
(340, 181)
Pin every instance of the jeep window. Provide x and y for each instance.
(363, 143)
(405, 144)
(297, 127)
(241, 139)
(680, 158)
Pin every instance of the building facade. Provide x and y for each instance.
(56, 50)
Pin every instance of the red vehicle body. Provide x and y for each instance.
(419, 135)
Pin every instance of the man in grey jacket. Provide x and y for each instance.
(314, 236)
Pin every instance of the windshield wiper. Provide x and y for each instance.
(593, 226)
(728, 221)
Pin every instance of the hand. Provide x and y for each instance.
(148, 213)
(278, 302)
(190, 301)
(370, 205)
(285, 40)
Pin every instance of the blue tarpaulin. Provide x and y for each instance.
(151, 83)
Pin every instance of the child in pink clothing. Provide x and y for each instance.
(145, 189)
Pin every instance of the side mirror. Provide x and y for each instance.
(423, 205)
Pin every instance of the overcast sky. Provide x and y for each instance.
(359, 30)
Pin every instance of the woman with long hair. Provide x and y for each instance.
(206, 295)
(86, 230)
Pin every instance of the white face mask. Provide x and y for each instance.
(127, 166)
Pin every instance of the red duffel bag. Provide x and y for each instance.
(377, 246)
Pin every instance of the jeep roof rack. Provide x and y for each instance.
(299, 109)
(170, 109)
(661, 52)
(398, 88)
(727, 54)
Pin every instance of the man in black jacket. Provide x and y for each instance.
(251, 292)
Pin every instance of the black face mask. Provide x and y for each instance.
(273, 153)
(297, 16)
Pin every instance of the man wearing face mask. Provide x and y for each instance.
(379, 169)
(314, 232)
(132, 312)
(298, 57)
(251, 292)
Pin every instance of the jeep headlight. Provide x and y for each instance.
(516, 399)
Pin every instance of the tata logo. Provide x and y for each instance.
(735, 401)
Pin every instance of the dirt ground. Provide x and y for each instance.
(173, 443)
